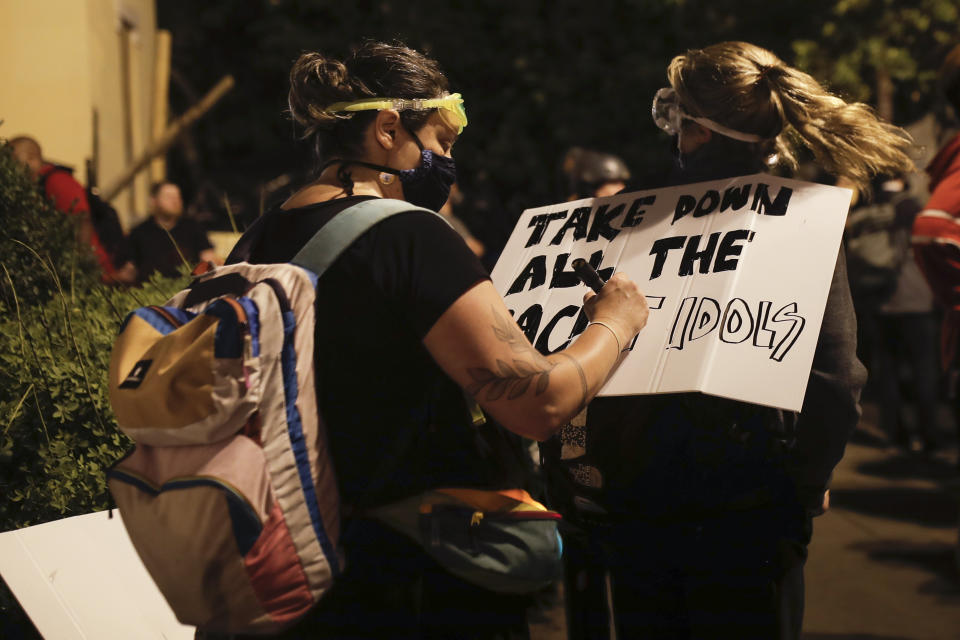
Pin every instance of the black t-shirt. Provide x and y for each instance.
(387, 405)
(151, 249)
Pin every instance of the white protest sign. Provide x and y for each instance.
(736, 273)
(80, 577)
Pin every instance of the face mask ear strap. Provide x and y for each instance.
(415, 137)
(679, 147)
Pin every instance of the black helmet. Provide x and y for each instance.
(584, 170)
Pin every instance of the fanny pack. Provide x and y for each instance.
(504, 541)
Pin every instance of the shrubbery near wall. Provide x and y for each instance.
(57, 324)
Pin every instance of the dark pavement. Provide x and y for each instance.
(883, 563)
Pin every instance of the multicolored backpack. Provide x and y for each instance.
(229, 495)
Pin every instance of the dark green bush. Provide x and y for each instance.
(59, 434)
(57, 324)
(35, 238)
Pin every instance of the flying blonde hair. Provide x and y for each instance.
(749, 89)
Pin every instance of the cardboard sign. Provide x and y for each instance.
(736, 274)
(80, 577)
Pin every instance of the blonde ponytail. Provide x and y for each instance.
(749, 89)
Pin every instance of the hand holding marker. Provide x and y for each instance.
(588, 275)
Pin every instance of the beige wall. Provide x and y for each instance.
(45, 87)
(62, 60)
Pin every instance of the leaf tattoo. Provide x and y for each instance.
(511, 380)
(507, 331)
(514, 378)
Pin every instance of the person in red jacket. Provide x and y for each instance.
(69, 196)
(936, 231)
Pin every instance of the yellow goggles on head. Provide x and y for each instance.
(451, 107)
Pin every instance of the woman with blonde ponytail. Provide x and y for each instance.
(698, 508)
(775, 107)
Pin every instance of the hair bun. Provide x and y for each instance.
(371, 69)
(316, 82)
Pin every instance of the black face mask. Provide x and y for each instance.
(427, 185)
(714, 160)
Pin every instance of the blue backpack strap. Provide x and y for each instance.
(335, 236)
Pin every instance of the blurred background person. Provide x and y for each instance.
(448, 211)
(936, 231)
(586, 173)
(896, 316)
(69, 196)
(167, 239)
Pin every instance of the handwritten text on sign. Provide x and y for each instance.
(736, 273)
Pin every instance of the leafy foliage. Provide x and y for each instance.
(58, 433)
(883, 51)
(37, 242)
(57, 325)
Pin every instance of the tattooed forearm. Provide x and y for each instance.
(583, 381)
(507, 331)
(514, 378)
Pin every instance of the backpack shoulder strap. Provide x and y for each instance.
(335, 236)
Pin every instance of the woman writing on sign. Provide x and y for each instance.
(408, 320)
(699, 507)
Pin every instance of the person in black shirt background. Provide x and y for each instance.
(167, 239)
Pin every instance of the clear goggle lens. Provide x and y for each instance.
(667, 112)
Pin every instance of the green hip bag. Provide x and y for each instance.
(504, 541)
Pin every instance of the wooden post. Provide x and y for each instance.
(137, 120)
(169, 136)
(125, 72)
(93, 166)
(161, 91)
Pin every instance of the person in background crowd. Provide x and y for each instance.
(585, 173)
(166, 240)
(414, 320)
(936, 233)
(702, 505)
(896, 315)
(447, 211)
(70, 197)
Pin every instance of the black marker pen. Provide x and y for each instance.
(588, 274)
